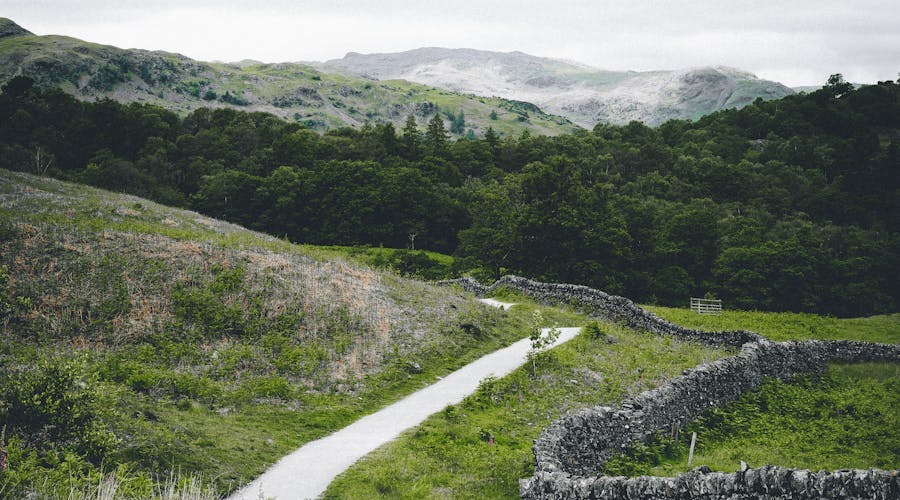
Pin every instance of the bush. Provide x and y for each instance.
(264, 388)
(411, 263)
(303, 359)
(204, 307)
(55, 405)
(12, 307)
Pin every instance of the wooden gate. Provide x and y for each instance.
(706, 306)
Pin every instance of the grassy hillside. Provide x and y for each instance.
(292, 91)
(140, 340)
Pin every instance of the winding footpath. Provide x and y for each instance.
(308, 471)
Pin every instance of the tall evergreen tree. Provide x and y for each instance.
(388, 138)
(493, 140)
(411, 137)
(436, 136)
(458, 123)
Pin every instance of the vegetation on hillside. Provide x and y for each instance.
(450, 455)
(787, 205)
(481, 447)
(140, 341)
(295, 92)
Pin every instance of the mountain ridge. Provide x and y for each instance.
(507, 91)
(580, 92)
(293, 91)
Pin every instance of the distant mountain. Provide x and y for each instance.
(581, 93)
(510, 92)
(806, 88)
(298, 92)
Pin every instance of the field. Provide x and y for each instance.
(141, 341)
(845, 420)
(481, 447)
(789, 326)
(449, 456)
(148, 347)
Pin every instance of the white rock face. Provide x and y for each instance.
(583, 94)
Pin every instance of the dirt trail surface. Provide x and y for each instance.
(308, 471)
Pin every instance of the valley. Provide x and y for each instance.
(210, 271)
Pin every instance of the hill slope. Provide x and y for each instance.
(159, 339)
(292, 91)
(583, 94)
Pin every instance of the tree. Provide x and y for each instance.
(436, 136)
(837, 86)
(492, 240)
(17, 86)
(42, 161)
(388, 136)
(411, 138)
(492, 138)
(458, 123)
(540, 337)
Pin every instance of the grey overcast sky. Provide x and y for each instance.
(797, 42)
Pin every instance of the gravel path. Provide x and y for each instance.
(496, 303)
(308, 471)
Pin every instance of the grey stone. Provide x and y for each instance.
(571, 450)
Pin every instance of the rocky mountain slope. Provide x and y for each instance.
(292, 91)
(583, 94)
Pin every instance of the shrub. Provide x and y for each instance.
(55, 403)
(593, 331)
(204, 308)
(12, 307)
(264, 387)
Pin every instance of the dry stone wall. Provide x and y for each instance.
(601, 304)
(570, 454)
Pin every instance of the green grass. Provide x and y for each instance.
(211, 350)
(84, 208)
(422, 264)
(449, 455)
(789, 326)
(197, 346)
(846, 420)
(226, 440)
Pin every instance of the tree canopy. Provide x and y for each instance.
(782, 205)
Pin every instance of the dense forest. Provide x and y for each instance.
(783, 205)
